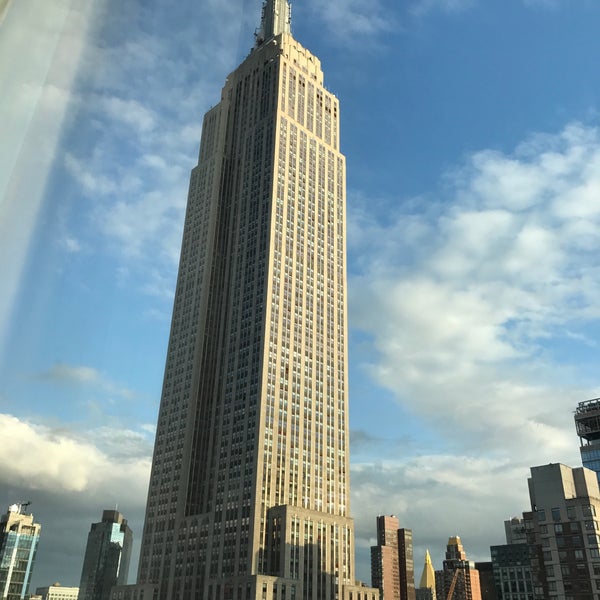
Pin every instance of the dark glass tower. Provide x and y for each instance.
(107, 555)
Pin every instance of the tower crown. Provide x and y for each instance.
(276, 19)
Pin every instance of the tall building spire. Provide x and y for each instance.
(276, 19)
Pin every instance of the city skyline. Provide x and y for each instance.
(461, 337)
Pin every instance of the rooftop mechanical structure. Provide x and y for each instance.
(587, 423)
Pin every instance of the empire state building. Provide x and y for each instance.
(249, 489)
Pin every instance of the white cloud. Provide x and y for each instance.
(424, 7)
(61, 374)
(463, 305)
(347, 19)
(129, 112)
(70, 477)
(71, 245)
(437, 496)
(44, 459)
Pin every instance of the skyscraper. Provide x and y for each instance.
(107, 555)
(385, 574)
(392, 567)
(19, 537)
(249, 489)
(406, 564)
(458, 579)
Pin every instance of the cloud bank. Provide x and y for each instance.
(481, 313)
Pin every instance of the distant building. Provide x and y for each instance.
(458, 575)
(426, 589)
(392, 567)
(107, 555)
(511, 565)
(57, 592)
(486, 580)
(587, 423)
(19, 537)
(512, 572)
(563, 531)
(515, 531)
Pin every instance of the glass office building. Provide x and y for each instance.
(19, 537)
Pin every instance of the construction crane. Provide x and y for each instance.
(452, 584)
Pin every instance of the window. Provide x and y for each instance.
(556, 514)
(571, 512)
(588, 511)
(541, 514)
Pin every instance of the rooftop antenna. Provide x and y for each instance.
(276, 19)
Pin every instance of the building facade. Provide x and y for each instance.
(406, 564)
(19, 537)
(512, 571)
(587, 424)
(458, 579)
(385, 572)
(563, 530)
(515, 531)
(56, 592)
(249, 488)
(392, 566)
(511, 563)
(107, 556)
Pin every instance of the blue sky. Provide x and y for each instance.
(473, 148)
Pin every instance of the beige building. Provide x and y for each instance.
(57, 592)
(563, 531)
(249, 489)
